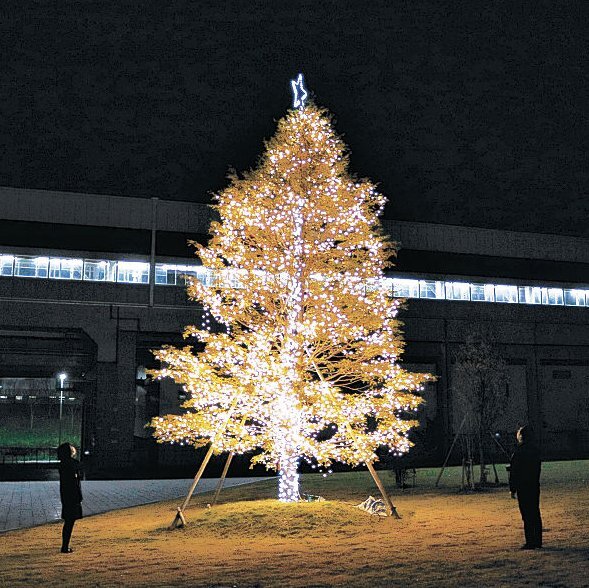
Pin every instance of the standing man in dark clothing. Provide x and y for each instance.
(70, 491)
(524, 483)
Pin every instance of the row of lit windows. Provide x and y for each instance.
(92, 270)
(20, 397)
(438, 290)
(137, 272)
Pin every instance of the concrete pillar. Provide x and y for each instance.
(115, 407)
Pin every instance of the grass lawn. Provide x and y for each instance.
(443, 539)
(30, 425)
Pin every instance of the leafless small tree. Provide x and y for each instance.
(481, 389)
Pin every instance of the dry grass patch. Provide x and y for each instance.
(270, 518)
(443, 539)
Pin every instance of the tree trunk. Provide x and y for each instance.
(483, 476)
(482, 421)
(288, 477)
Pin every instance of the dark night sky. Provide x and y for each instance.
(470, 113)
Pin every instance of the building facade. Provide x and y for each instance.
(89, 284)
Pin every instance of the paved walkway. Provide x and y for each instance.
(26, 504)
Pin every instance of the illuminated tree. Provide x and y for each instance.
(308, 365)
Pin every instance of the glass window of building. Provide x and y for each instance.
(100, 270)
(237, 278)
(387, 285)
(182, 278)
(530, 295)
(61, 268)
(507, 294)
(133, 272)
(206, 276)
(552, 296)
(370, 285)
(173, 274)
(574, 297)
(230, 278)
(405, 288)
(457, 291)
(482, 292)
(431, 289)
(187, 271)
(165, 274)
(31, 267)
(6, 265)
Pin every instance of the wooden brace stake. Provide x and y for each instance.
(222, 480)
(387, 499)
(179, 520)
(450, 451)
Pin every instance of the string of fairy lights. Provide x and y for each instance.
(307, 367)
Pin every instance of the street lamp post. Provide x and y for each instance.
(62, 377)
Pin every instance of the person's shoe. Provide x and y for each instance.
(526, 546)
(67, 550)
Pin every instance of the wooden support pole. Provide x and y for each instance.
(222, 480)
(450, 451)
(179, 520)
(387, 499)
(226, 469)
(392, 511)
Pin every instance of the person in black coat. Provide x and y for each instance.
(524, 484)
(70, 491)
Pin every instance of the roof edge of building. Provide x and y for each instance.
(33, 205)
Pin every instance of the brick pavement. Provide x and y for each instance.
(26, 504)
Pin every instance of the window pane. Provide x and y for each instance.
(235, 279)
(6, 265)
(431, 289)
(482, 292)
(387, 285)
(165, 274)
(457, 291)
(552, 296)
(507, 294)
(133, 272)
(100, 270)
(65, 269)
(193, 271)
(95, 271)
(574, 297)
(530, 295)
(206, 276)
(31, 267)
(405, 288)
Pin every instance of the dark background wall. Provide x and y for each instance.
(465, 113)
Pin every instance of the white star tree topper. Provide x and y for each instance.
(299, 92)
